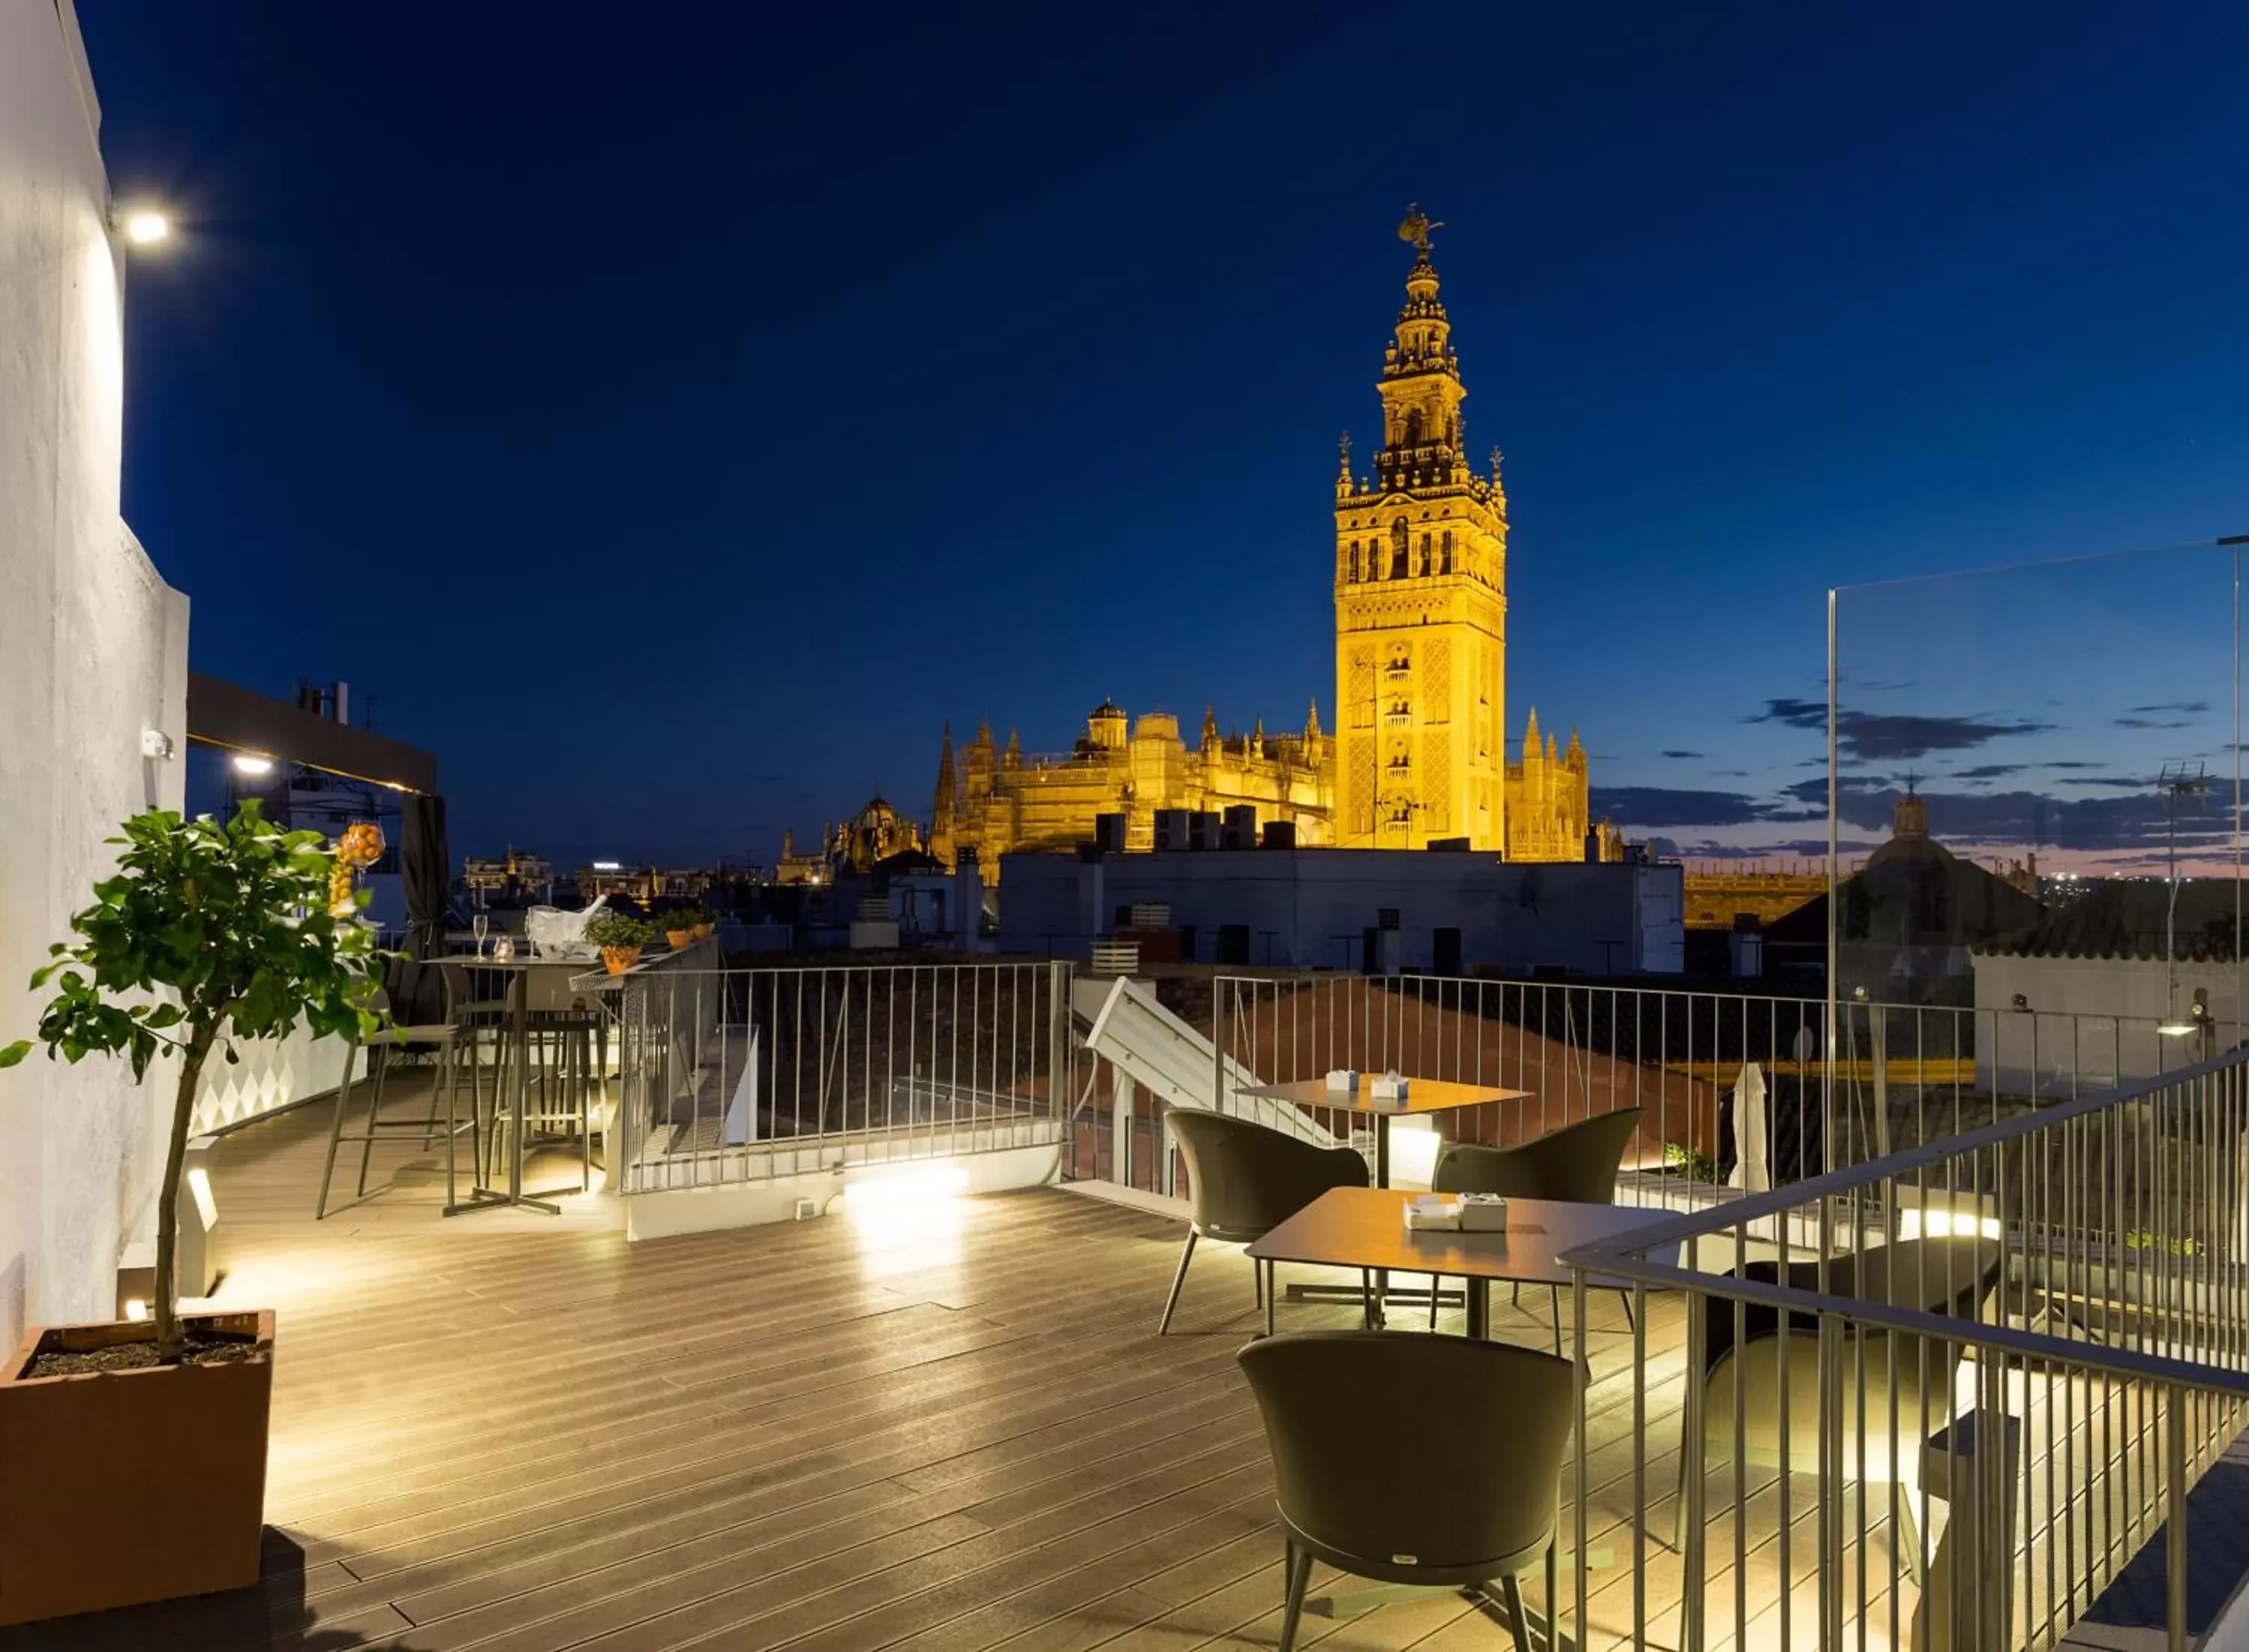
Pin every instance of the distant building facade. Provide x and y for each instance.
(878, 833)
(1001, 802)
(1906, 920)
(1720, 892)
(512, 874)
(642, 883)
(1383, 911)
(1418, 755)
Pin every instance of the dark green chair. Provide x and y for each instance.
(1243, 1180)
(1577, 1163)
(1481, 1508)
(1892, 1375)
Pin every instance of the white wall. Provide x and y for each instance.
(92, 650)
(1307, 908)
(2091, 1022)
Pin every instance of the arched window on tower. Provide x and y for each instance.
(1354, 562)
(1397, 549)
(1446, 566)
(1424, 567)
(1413, 427)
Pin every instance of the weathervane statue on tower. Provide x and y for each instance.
(1416, 229)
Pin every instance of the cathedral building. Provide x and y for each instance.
(996, 802)
(1419, 755)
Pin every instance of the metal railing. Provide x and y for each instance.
(1937, 1399)
(736, 1076)
(1829, 1086)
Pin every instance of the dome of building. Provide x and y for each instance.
(875, 834)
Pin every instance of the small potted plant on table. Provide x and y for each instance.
(706, 923)
(133, 1454)
(620, 938)
(680, 927)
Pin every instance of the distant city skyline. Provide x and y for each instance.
(676, 489)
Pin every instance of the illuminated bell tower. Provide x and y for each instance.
(1421, 604)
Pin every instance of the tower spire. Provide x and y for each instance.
(1421, 390)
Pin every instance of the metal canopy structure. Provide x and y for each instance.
(234, 718)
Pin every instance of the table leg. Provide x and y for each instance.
(1382, 1180)
(520, 1092)
(1479, 1294)
(518, 1088)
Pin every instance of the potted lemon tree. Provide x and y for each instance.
(206, 935)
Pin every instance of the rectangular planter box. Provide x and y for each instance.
(123, 1486)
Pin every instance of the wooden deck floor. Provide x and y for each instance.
(948, 1432)
(953, 1432)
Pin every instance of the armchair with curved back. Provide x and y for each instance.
(1243, 1180)
(1488, 1514)
(1576, 1164)
(1949, 1276)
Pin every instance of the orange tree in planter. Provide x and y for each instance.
(206, 934)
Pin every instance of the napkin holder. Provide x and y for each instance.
(1484, 1213)
(1388, 1090)
(1343, 1081)
(1434, 1212)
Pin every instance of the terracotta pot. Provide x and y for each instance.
(703, 931)
(679, 940)
(121, 1486)
(617, 960)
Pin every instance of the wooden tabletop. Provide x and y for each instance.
(1422, 1095)
(1366, 1228)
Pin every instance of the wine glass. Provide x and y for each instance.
(482, 925)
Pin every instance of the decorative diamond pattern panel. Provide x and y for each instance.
(272, 1074)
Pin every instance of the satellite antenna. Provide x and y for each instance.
(2178, 782)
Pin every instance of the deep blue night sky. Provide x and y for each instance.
(674, 416)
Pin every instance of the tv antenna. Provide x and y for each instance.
(2181, 783)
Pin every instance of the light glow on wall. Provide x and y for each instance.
(251, 763)
(199, 1189)
(145, 228)
(1413, 1154)
(904, 1188)
(1940, 1220)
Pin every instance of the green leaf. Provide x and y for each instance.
(11, 1053)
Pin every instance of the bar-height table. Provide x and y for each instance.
(1364, 1228)
(518, 971)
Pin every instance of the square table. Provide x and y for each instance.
(1422, 1096)
(1366, 1228)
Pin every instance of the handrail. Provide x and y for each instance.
(1626, 1255)
(1778, 1201)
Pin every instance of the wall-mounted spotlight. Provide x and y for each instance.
(142, 226)
(252, 762)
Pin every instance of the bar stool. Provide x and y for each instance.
(472, 1018)
(442, 1035)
